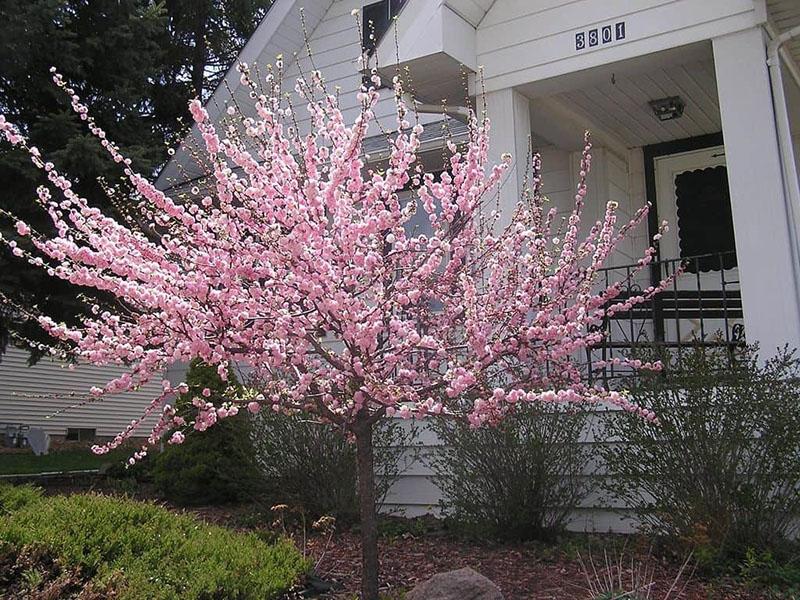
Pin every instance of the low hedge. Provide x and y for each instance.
(143, 551)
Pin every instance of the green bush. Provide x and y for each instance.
(312, 466)
(721, 469)
(144, 552)
(13, 498)
(209, 467)
(762, 570)
(521, 479)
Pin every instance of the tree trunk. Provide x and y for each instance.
(369, 520)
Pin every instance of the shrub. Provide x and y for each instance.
(210, 467)
(13, 498)
(616, 576)
(520, 479)
(722, 468)
(312, 466)
(762, 570)
(142, 551)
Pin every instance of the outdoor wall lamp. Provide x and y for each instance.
(669, 108)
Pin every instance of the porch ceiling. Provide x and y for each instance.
(785, 14)
(615, 103)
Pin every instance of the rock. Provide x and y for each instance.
(463, 584)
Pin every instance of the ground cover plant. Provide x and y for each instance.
(139, 550)
(297, 257)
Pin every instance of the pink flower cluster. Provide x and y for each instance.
(296, 257)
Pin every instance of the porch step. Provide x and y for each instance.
(685, 304)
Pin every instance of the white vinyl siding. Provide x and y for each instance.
(521, 41)
(415, 493)
(28, 396)
(335, 48)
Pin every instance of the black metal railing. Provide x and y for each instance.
(700, 308)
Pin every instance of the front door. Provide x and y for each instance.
(692, 196)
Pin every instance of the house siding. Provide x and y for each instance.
(558, 181)
(416, 493)
(612, 178)
(335, 49)
(520, 41)
(32, 396)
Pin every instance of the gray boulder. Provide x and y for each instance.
(463, 584)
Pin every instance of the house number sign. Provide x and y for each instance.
(599, 36)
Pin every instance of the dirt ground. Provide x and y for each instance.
(523, 571)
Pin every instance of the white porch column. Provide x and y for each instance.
(761, 223)
(509, 112)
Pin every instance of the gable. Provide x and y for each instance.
(519, 41)
(280, 32)
(335, 48)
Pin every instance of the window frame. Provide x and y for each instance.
(81, 434)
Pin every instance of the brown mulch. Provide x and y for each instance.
(522, 571)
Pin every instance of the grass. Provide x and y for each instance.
(59, 462)
(141, 551)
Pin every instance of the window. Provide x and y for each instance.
(376, 19)
(705, 223)
(80, 434)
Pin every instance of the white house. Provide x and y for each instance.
(48, 395)
(694, 106)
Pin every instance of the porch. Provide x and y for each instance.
(693, 108)
(700, 309)
(711, 166)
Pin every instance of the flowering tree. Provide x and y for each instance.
(298, 259)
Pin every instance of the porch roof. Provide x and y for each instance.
(784, 15)
(613, 100)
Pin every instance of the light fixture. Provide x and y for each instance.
(666, 109)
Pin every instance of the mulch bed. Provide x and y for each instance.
(522, 571)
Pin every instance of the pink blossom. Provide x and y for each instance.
(301, 262)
